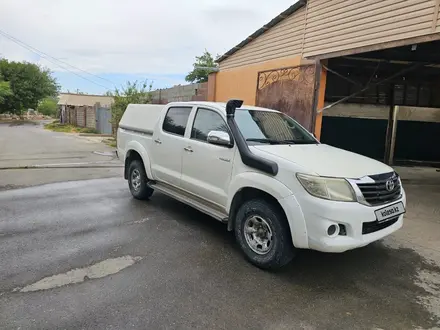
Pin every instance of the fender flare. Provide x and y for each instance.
(139, 148)
(258, 181)
(281, 193)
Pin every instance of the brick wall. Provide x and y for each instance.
(81, 116)
(80, 119)
(192, 92)
(91, 117)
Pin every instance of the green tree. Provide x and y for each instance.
(29, 84)
(5, 90)
(132, 92)
(48, 106)
(202, 67)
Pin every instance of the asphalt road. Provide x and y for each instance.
(162, 265)
(30, 145)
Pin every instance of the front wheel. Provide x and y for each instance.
(263, 234)
(137, 181)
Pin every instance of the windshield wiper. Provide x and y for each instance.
(298, 142)
(271, 141)
(268, 141)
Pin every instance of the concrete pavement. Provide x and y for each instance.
(99, 259)
(30, 145)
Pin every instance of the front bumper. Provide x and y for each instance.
(318, 214)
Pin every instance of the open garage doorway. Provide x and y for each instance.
(385, 104)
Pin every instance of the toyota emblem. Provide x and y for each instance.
(389, 185)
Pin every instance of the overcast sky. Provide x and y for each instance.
(127, 40)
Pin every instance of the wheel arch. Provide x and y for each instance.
(245, 194)
(136, 151)
(257, 181)
(251, 185)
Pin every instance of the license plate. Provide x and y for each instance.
(389, 212)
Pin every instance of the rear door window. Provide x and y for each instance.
(176, 120)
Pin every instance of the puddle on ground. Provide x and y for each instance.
(430, 281)
(78, 275)
(427, 278)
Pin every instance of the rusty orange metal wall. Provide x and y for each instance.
(212, 78)
(289, 90)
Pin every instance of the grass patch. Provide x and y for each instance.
(88, 130)
(58, 127)
(110, 142)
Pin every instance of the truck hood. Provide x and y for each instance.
(326, 160)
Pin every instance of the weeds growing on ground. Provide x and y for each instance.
(110, 142)
(88, 130)
(56, 126)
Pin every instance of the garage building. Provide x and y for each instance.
(361, 75)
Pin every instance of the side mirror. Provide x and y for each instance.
(219, 138)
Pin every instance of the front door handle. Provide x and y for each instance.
(158, 141)
(189, 149)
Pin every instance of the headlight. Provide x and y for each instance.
(334, 189)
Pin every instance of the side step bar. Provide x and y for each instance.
(190, 200)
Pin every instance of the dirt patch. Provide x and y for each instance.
(11, 186)
(22, 122)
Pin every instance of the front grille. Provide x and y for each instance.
(371, 227)
(376, 193)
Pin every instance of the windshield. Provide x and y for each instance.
(271, 127)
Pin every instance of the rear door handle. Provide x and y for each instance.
(158, 141)
(189, 149)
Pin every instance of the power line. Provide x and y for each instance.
(49, 57)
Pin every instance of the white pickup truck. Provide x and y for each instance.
(261, 173)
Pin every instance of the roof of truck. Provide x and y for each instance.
(218, 105)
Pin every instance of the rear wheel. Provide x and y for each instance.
(137, 181)
(263, 234)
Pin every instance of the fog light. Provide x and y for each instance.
(333, 230)
(342, 230)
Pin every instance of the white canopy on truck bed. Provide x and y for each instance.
(141, 116)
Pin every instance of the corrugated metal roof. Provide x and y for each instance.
(84, 99)
(289, 11)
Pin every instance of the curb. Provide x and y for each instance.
(36, 167)
(97, 135)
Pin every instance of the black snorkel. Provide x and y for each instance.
(247, 157)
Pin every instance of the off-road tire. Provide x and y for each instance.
(282, 250)
(144, 191)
